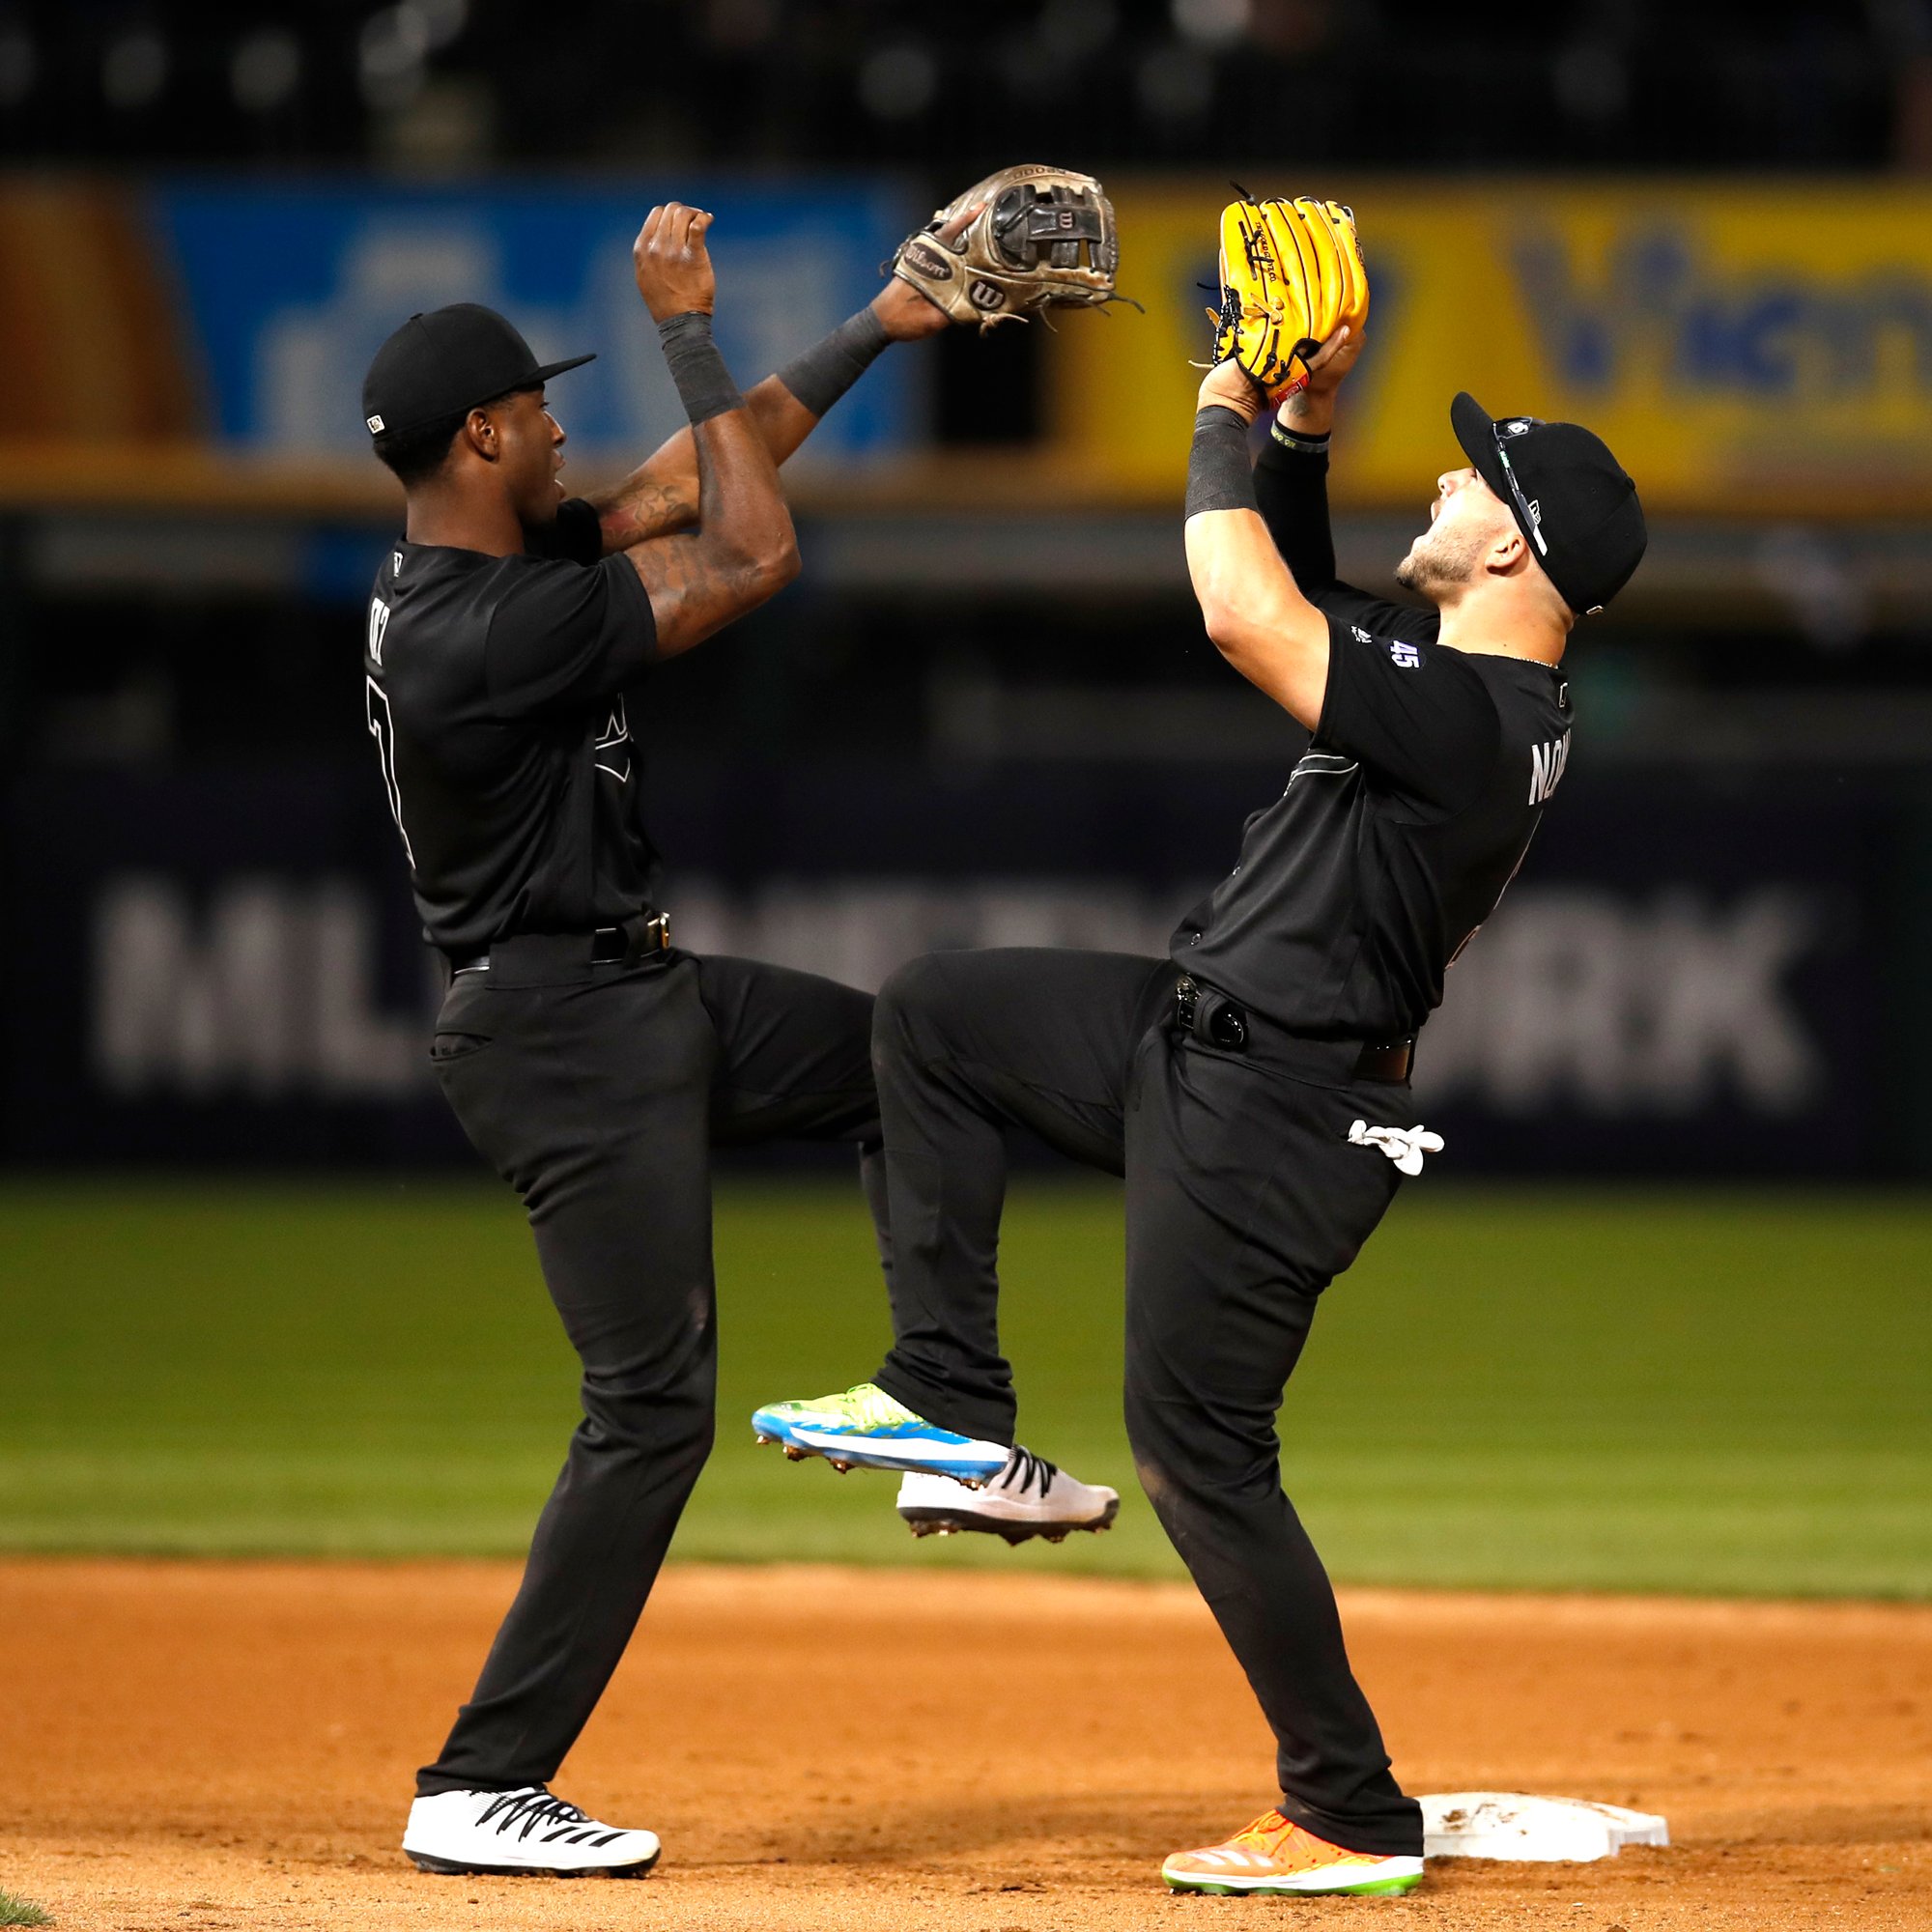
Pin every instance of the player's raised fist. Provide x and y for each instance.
(672, 265)
(1229, 386)
(1333, 360)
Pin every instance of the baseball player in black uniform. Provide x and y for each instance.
(592, 1063)
(1254, 1086)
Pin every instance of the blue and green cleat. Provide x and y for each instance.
(867, 1429)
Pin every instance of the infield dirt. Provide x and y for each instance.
(210, 1746)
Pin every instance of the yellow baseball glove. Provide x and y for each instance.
(1291, 275)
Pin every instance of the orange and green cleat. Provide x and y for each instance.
(1276, 1859)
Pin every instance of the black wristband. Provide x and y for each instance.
(1310, 442)
(1219, 475)
(826, 370)
(703, 383)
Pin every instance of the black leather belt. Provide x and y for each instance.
(1218, 1021)
(638, 938)
(1389, 1063)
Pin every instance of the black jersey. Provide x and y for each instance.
(497, 695)
(1410, 814)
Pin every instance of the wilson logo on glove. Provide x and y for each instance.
(1026, 238)
(930, 262)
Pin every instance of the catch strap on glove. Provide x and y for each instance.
(1042, 238)
(1291, 275)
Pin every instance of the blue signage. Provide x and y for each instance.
(289, 289)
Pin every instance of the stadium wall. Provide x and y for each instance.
(1696, 975)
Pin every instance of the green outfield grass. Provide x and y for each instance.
(1528, 1387)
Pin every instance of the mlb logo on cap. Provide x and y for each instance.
(447, 362)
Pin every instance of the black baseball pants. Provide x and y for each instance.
(1244, 1199)
(597, 1092)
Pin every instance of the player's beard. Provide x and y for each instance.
(1437, 561)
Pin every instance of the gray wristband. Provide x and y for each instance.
(826, 370)
(703, 383)
(1219, 475)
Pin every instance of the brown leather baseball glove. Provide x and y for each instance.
(1041, 238)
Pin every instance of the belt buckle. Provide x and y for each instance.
(645, 934)
(1186, 998)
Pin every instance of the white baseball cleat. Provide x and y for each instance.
(1029, 1497)
(522, 1832)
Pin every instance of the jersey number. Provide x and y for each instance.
(383, 728)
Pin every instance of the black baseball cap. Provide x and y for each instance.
(446, 362)
(1572, 498)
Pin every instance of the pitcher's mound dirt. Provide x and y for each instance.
(203, 1745)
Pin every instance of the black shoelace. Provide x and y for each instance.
(1025, 1470)
(531, 1808)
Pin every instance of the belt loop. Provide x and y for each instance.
(1391, 1064)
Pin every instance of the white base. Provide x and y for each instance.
(1510, 1825)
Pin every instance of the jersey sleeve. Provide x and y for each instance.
(577, 536)
(563, 635)
(1292, 489)
(1418, 715)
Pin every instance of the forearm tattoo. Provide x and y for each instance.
(650, 509)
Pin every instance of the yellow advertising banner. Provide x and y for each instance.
(1747, 349)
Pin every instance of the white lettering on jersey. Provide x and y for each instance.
(613, 745)
(1405, 657)
(1546, 764)
(383, 728)
(379, 622)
